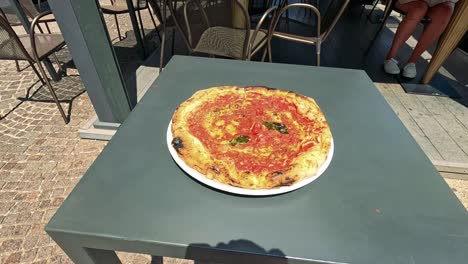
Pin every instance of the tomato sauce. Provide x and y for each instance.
(238, 115)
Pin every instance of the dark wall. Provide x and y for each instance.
(464, 43)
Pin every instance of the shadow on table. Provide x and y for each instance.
(231, 252)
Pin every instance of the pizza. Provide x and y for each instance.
(251, 137)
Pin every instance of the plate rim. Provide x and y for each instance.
(237, 190)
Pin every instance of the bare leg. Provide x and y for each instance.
(415, 11)
(440, 16)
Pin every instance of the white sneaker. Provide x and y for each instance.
(409, 71)
(391, 66)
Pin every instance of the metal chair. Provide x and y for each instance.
(33, 11)
(324, 25)
(120, 7)
(32, 48)
(317, 4)
(237, 43)
(30, 9)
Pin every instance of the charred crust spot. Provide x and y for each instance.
(276, 174)
(177, 143)
(256, 87)
(215, 170)
(287, 182)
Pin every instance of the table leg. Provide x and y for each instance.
(82, 255)
(136, 29)
(456, 29)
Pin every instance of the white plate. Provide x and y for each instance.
(231, 189)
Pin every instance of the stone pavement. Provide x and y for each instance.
(41, 160)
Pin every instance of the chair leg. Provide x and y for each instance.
(158, 15)
(52, 92)
(376, 36)
(61, 69)
(173, 41)
(154, 23)
(369, 18)
(140, 21)
(117, 25)
(265, 51)
(17, 66)
(36, 72)
(270, 56)
(318, 47)
(161, 50)
(47, 27)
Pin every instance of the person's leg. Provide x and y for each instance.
(415, 11)
(440, 16)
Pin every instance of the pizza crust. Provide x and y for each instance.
(197, 156)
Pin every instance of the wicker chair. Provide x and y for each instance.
(237, 43)
(118, 7)
(32, 48)
(324, 25)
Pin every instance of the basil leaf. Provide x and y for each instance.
(276, 126)
(269, 125)
(239, 140)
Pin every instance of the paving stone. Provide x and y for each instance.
(44, 252)
(5, 207)
(11, 245)
(30, 241)
(12, 258)
(29, 255)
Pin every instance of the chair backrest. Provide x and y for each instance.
(183, 16)
(11, 47)
(297, 37)
(333, 13)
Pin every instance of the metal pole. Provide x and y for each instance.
(83, 28)
(136, 29)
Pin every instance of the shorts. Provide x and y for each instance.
(430, 3)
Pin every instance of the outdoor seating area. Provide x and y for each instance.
(93, 166)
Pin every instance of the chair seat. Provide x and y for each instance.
(303, 39)
(227, 42)
(46, 44)
(119, 8)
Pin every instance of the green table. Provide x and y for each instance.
(380, 201)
